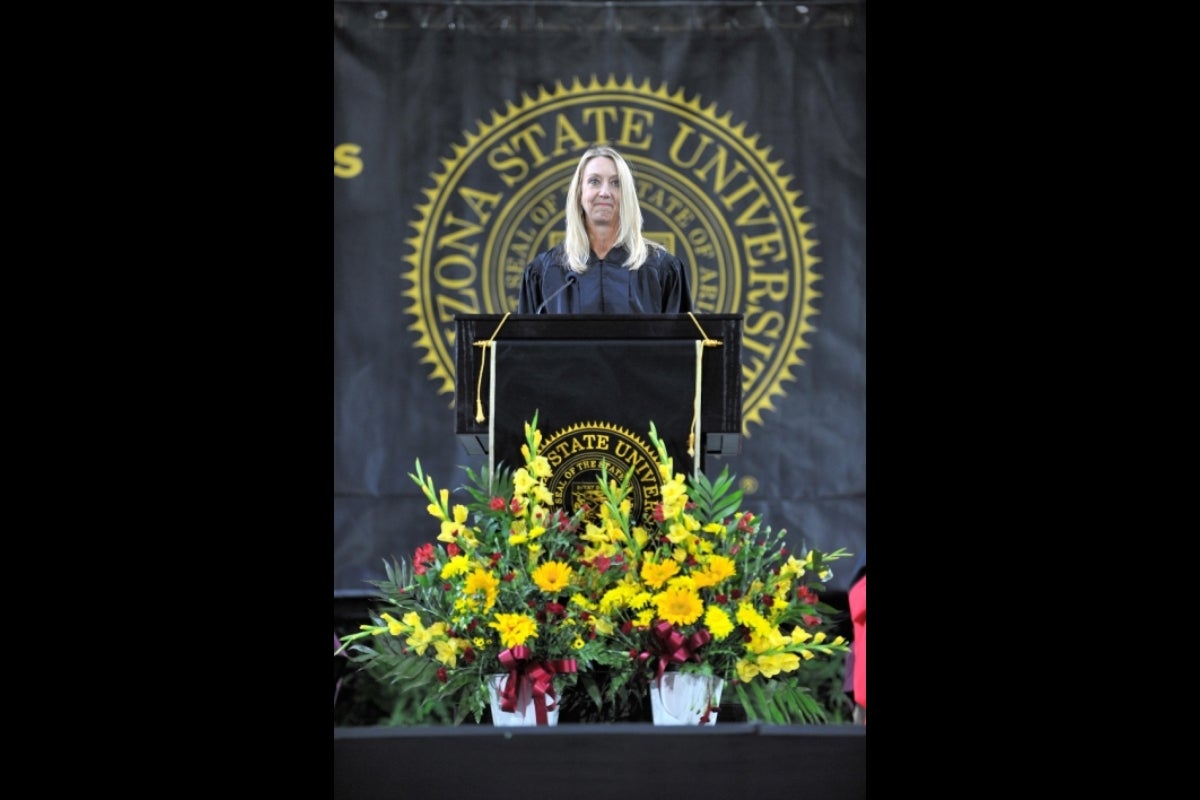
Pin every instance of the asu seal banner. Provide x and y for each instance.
(456, 129)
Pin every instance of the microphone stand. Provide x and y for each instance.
(571, 278)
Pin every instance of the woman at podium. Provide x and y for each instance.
(604, 265)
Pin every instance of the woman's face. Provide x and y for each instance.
(601, 195)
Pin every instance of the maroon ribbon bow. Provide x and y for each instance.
(675, 648)
(519, 663)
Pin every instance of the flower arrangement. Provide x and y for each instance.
(504, 590)
(710, 590)
(595, 603)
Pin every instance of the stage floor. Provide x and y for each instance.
(604, 761)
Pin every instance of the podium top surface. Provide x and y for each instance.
(601, 326)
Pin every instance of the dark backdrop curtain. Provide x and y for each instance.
(455, 128)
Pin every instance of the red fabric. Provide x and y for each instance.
(858, 615)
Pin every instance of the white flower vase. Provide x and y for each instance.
(682, 698)
(525, 713)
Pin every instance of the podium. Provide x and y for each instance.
(596, 383)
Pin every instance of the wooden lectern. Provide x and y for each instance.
(597, 383)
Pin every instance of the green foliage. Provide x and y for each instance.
(713, 499)
(606, 695)
(398, 693)
(826, 680)
(814, 695)
(780, 702)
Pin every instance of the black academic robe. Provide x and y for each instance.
(659, 286)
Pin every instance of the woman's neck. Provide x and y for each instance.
(601, 240)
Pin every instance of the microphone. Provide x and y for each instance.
(571, 278)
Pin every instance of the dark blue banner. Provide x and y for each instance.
(456, 129)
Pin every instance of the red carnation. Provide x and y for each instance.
(423, 558)
(497, 504)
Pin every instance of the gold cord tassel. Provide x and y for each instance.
(479, 417)
(707, 341)
(691, 451)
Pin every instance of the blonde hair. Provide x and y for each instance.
(629, 232)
